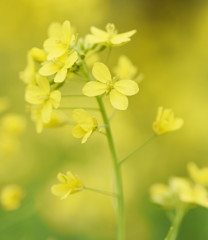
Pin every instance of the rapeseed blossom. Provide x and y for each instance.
(69, 184)
(166, 122)
(200, 176)
(42, 97)
(118, 90)
(86, 124)
(59, 66)
(11, 196)
(110, 37)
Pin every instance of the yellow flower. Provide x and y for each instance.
(118, 90)
(179, 191)
(61, 39)
(12, 124)
(28, 75)
(41, 95)
(86, 124)
(166, 122)
(125, 69)
(59, 66)
(198, 175)
(69, 184)
(38, 54)
(110, 37)
(11, 196)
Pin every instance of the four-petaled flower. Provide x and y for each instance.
(69, 184)
(117, 89)
(59, 66)
(86, 124)
(42, 96)
(110, 37)
(166, 122)
(61, 39)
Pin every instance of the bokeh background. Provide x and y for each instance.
(171, 50)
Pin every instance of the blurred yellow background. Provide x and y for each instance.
(171, 50)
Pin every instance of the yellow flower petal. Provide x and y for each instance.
(78, 132)
(101, 72)
(118, 100)
(127, 87)
(122, 37)
(86, 136)
(55, 98)
(49, 68)
(60, 75)
(94, 88)
(60, 190)
(70, 60)
(62, 178)
(46, 111)
(67, 32)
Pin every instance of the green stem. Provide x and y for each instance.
(100, 191)
(137, 149)
(173, 232)
(117, 173)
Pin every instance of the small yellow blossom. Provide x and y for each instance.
(198, 175)
(166, 122)
(61, 39)
(4, 104)
(11, 196)
(12, 124)
(59, 66)
(125, 69)
(86, 124)
(28, 75)
(110, 37)
(69, 184)
(41, 95)
(58, 119)
(118, 90)
(179, 190)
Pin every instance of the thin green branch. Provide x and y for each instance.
(136, 150)
(101, 191)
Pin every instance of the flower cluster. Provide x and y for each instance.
(183, 191)
(64, 57)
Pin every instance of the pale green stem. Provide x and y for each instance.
(173, 232)
(100, 191)
(117, 173)
(137, 149)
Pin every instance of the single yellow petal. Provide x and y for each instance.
(60, 190)
(55, 98)
(62, 178)
(70, 60)
(60, 75)
(101, 72)
(67, 32)
(86, 136)
(55, 30)
(99, 33)
(78, 132)
(127, 87)
(46, 111)
(43, 84)
(118, 100)
(33, 95)
(49, 68)
(122, 37)
(94, 88)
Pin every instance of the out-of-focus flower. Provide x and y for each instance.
(198, 175)
(11, 196)
(42, 96)
(28, 75)
(38, 54)
(4, 104)
(61, 39)
(9, 145)
(58, 119)
(59, 66)
(179, 191)
(110, 37)
(166, 122)
(118, 90)
(86, 124)
(12, 124)
(125, 69)
(69, 184)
